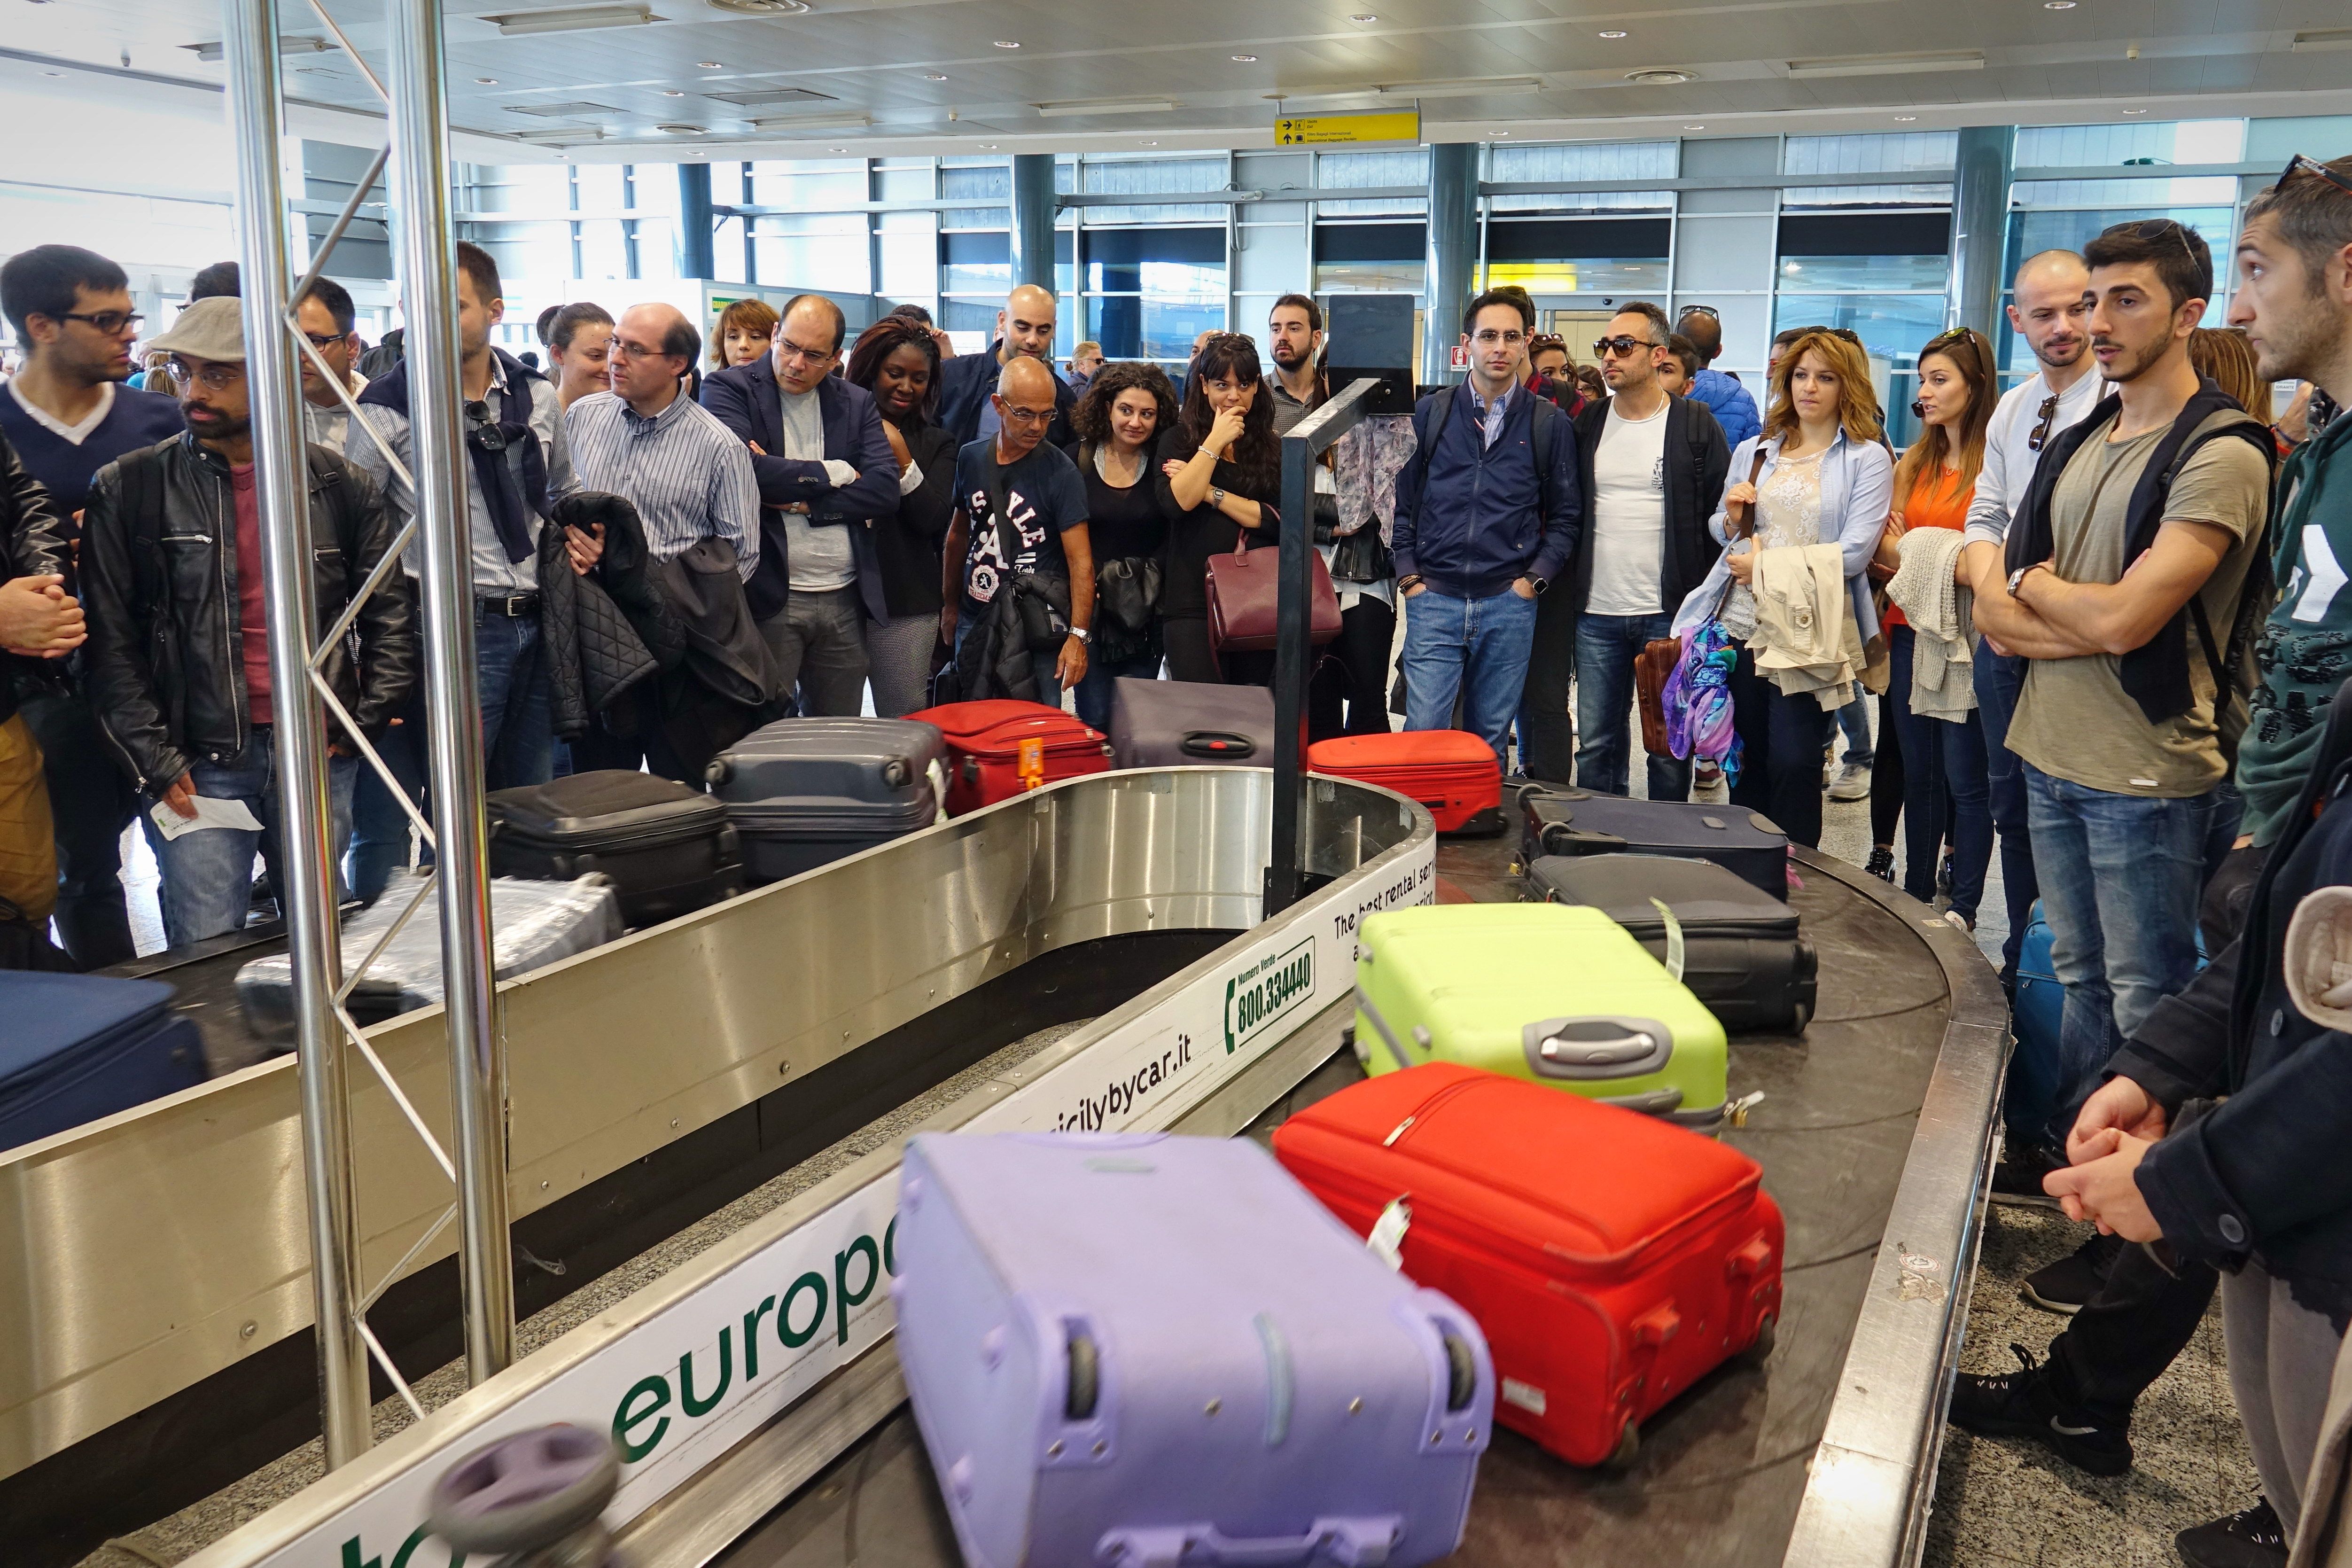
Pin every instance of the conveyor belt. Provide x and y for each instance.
(1723, 1469)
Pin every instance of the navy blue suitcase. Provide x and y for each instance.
(75, 1047)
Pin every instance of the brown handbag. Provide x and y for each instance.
(1244, 589)
(1652, 668)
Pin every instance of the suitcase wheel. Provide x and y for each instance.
(533, 1491)
(717, 771)
(1085, 1378)
(1761, 1352)
(1629, 1447)
(1804, 1016)
(1461, 1374)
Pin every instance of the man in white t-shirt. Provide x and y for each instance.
(2050, 311)
(1654, 468)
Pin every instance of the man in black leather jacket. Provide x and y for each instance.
(39, 624)
(178, 665)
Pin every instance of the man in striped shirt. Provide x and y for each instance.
(686, 473)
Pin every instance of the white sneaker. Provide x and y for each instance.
(1852, 782)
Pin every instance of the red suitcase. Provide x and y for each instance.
(1453, 773)
(996, 748)
(1613, 1260)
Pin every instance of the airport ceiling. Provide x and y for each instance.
(608, 79)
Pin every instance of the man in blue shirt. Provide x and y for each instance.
(1733, 405)
(1487, 518)
(69, 415)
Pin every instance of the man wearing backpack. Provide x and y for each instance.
(2122, 587)
(179, 668)
(1486, 516)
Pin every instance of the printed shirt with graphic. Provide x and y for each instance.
(1047, 499)
(2305, 649)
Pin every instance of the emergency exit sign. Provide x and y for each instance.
(1330, 130)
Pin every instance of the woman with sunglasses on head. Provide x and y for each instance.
(897, 360)
(1943, 756)
(1816, 475)
(1126, 409)
(1220, 472)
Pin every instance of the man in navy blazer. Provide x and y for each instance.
(967, 381)
(825, 471)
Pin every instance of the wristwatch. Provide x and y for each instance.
(1216, 496)
(2018, 575)
(1542, 584)
(1408, 582)
(1081, 633)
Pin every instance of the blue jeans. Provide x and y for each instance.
(2120, 875)
(1474, 648)
(1943, 779)
(1853, 722)
(1606, 646)
(1094, 688)
(1999, 678)
(518, 746)
(208, 875)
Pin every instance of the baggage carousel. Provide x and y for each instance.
(157, 1343)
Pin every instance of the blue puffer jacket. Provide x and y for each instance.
(1734, 408)
(1472, 517)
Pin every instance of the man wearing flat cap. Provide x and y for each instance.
(179, 635)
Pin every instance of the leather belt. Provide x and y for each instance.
(514, 606)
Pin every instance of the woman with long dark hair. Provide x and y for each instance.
(1944, 764)
(1220, 472)
(1126, 409)
(897, 360)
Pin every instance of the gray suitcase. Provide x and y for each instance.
(803, 793)
(1196, 723)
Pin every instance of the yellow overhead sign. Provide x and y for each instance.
(1329, 129)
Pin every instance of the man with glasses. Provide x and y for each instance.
(1487, 518)
(825, 473)
(329, 323)
(179, 667)
(968, 382)
(1651, 469)
(1733, 405)
(517, 466)
(69, 415)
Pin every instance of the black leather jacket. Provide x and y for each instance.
(32, 544)
(168, 682)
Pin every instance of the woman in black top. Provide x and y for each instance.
(899, 361)
(1126, 409)
(1220, 472)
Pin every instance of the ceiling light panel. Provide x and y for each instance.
(1107, 106)
(569, 19)
(1889, 65)
(788, 124)
(763, 97)
(577, 109)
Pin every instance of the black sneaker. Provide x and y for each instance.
(1882, 863)
(2017, 1180)
(2020, 1405)
(2251, 1538)
(2065, 1285)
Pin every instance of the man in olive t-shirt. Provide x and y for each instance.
(2122, 808)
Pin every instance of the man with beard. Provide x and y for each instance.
(179, 668)
(968, 382)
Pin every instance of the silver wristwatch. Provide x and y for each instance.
(1081, 633)
(1216, 496)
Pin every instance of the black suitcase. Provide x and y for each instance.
(1741, 952)
(1179, 723)
(79, 1047)
(1570, 822)
(669, 850)
(802, 793)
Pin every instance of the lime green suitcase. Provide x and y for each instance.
(1558, 993)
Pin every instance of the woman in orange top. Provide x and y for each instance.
(1944, 780)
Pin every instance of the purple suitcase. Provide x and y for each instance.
(1136, 1351)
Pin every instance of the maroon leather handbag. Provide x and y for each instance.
(1244, 589)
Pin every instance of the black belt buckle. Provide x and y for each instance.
(514, 606)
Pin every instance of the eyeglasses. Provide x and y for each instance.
(627, 350)
(2299, 164)
(322, 342)
(787, 350)
(1619, 346)
(218, 375)
(1490, 337)
(2041, 431)
(110, 323)
(1015, 414)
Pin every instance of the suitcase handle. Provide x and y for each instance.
(1597, 1047)
(1564, 838)
(1359, 1542)
(1217, 745)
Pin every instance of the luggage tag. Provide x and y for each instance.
(1387, 1240)
(939, 774)
(1032, 763)
(1676, 951)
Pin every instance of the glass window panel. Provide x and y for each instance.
(1407, 166)
(1869, 155)
(1866, 196)
(1892, 327)
(1584, 161)
(600, 188)
(657, 248)
(1148, 326)
(1368, 276)
(654, 189)
(805, 188)
(906, 184)
(2219, 190)
(989, 181)
(1581, 277)
(131, 228)
(1115, 176)
(1865, 273)
(814, 250)
(910, 258)
(2174, 141)
(602, 253)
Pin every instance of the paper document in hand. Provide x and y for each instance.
(210, 813)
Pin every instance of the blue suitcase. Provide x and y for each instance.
(1137, 1351)
(74, 1048)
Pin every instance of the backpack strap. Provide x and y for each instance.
(1545, 418)
(2221, 662)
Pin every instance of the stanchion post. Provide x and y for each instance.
(428, 269)
(306, 869)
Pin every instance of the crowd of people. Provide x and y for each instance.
(2099, 618)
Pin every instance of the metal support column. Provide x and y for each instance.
(1980, 224)
(1453, 254)
(1033, 219)
(420, 141)
(306, 890)
(696, 243)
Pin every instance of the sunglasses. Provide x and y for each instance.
(1706, 310)
(2152, 229)
(2299, 164)
(1620, 346)
(2041, 432)
(1545, 341)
